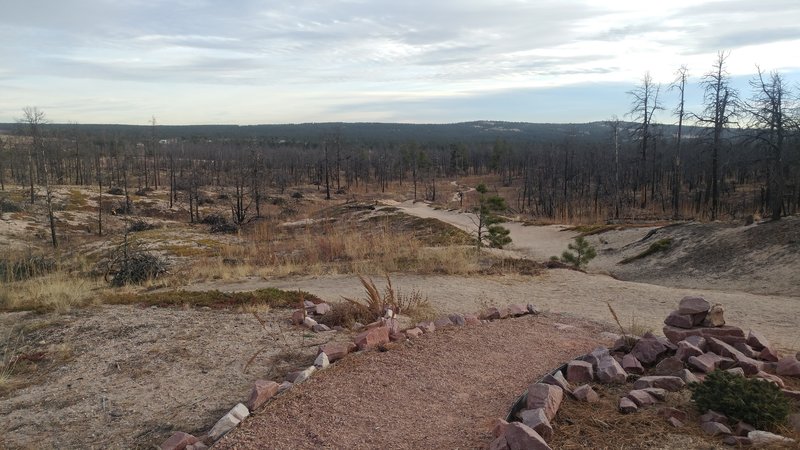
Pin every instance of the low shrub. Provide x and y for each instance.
(7, 206)
(17, 269)
(214, 219)
(227, 228)
(750, 400)
(116, 190)
(136, 269)
(661, 245)
(140, 225)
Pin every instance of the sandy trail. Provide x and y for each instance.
(440, 391)
(535, 242)
(562, 291)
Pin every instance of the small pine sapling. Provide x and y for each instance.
(584, 253)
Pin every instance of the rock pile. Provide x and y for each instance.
(697, 341)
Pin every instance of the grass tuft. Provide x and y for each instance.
(662, 245)
(248, 301)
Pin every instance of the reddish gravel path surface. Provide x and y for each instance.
(442, 391)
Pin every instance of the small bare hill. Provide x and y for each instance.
(760, 258)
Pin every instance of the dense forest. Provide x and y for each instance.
(740, 156)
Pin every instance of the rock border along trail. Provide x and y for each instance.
(438, 391)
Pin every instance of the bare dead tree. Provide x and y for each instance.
(721, 108)
(643, 106)
(680, 110)
(770, 113)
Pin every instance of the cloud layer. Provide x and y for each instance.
(247, 61)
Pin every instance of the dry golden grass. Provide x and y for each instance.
(59, 291)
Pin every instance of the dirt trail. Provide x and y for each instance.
(441, 391)
(562, 291)
(535, 242)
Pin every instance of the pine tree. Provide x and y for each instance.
(489, 232)
(583, 253)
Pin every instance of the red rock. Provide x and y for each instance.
(693, 305)
(669, 366)
(789, 367)
(499, 428)
(471, 319)
(413, 333)
(579, 371)
(522, 437)
(706, 363)
(688, 377)
(641, 398)
(518, 310)
(537, 420)
(757, 340)
(335, 351)
(746, 350)
(457, 320)
(687, 350)
(499, 444)
(679, 320)
(648, 350)
(557, 379)
(657, 393)
(197, 446)
(713, 416)
(178, 441)
(672, 412)
(595, 356)
(714, 317)
(715, 428)
(263, 390)
(397, 337)
(727, 333)
(494, 313)
(545, 396)
(626, 406)
(768, 354)
(443, 322)
(625, 343)
(609, 371)
(698, 341)
(632, 365)
(393, 325)
(426, 327)
(749, 365)
(298, 317)
(671, 384)
(585, 393)
(371, 338)
(771, 378)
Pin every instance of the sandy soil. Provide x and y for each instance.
(563, 291)
(441, 391)
(132, 376)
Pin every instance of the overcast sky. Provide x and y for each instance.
(249, 62)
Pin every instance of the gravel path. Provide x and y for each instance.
(441, 391)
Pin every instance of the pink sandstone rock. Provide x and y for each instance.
(727, 333)
(178, 441)
(263, 390)
(768, 354)
(789, 367)
(471, 319)
(372, 338)
(335, 351)
(557, 379)
(757, 340)
(413, 333)
(426, 327)
(585, 393)
(693, 305)
(609, 371)
(715, 428)
(537, 420)
(298, 316)
(322, 308)
(517, 310)
(686, 349)
(632, 365)
(668, 366)
(714, 317)
(522, 437)
(626, 406)
(499, 428)
(678, 320)
(648, 349)
(778, 381)
(671, 384)
(579, 371)
(641, 398)
(545, 396)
